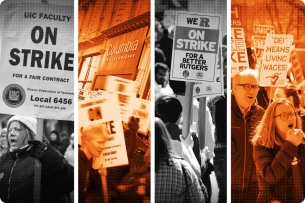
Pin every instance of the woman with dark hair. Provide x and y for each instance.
(17, 166)
(279, 154)
(174, 178)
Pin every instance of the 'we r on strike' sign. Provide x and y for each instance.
(196, 44)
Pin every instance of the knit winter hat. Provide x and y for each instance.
(29, 122)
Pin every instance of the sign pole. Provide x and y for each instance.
(202, 121)
(187, 110)
(37, 166)
(105, 189)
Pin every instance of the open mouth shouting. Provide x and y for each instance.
(13, 142)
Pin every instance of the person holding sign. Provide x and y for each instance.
(18, 162)
(93, 139)
(245, 116)
(279, 154)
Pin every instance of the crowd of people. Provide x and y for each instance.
(267, 145)
(183, 166)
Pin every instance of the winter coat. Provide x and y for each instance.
(242, 165)
(274, 171)
(89, 181)
(17, 177)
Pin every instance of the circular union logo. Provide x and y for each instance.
(208, 88)
(185, 73)
(199, 74)
(13, 95)
(197, 90)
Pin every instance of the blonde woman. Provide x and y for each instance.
(279, 154)
(3, 140)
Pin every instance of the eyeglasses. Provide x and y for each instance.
(249, 87)
(285, 116)
(17, 130)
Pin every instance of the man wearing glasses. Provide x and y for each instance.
(245, 116)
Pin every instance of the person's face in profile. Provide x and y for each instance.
(96, 143)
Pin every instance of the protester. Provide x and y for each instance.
(94, 137)
(279, 154)
(160, 73)
(64, 141)
(169, 110)
(290, 93)
(175, 181)
(3, 140)
(55, 141)
(69, 154)
(245, 116)
(165, 43)
(17, 166)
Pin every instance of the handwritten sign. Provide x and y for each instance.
(275, 60)
(196, 42)
(104, 110)
(36, 66)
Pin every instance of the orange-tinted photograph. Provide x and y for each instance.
(267, 101)
(114, 101)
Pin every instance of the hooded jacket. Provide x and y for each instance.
(243, 171)
(17, 177)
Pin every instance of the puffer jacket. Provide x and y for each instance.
(243, 171)
(274, 173)
(17, 177)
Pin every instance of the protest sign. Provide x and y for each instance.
(125, 90)
(275, 60)
(37, 60)
(204, 89)
(141, 110)
(296, 68)
(259, 37)
(239, 58)
(195, 47)
(88, 94)
(104, 110)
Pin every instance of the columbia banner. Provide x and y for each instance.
(36, 61)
